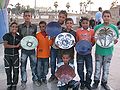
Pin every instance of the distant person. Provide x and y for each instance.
(103, 55)
(43, 53)
(92, 23)
(11, 56)
(54, 57)
(80, 22)
(25, 29)
(98, 16)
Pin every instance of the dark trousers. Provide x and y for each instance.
(12, 69)
(72, 84)
(87, 60)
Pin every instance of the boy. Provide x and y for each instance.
(66, 81)
(25, 29)
(11, 56)
(69, 25)
(85, 33)
(43, 53)
(103, 55)
(54, 50)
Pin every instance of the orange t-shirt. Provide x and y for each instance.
(88, 35)
(43, 48)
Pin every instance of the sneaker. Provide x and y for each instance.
(51, 79)
(82, 86)
(9, 87)
(37, 83)
(88, 87)
(95, 86)
(14, 87)
(44, 81)
(105, 86)
(23, 85)
(55, 80)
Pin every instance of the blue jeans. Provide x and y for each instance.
(42, 67)
(53, 60)
(87, 60)
(102, 62)
(33, 63)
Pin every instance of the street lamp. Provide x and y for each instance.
(68, 6)
(35, 10)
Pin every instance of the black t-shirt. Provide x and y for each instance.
(12, 41)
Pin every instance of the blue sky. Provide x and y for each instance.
(62, 3)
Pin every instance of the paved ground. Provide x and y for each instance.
(114, 76)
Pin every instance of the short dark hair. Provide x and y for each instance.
(84, 18)
(106, 11)
(63, 12)
(68, 19)
(42, 22)
(27, 11)
(65, 52)
(100, 8)
(13, 23)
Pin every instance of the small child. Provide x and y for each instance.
(69, 29)
(11, 56)
(64, 85)
(43, 53)
(87, 34)
(103, 55)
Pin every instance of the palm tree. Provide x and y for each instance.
(89, 2)
(56, 5)
(68, 6)
(17, 6)
(81, 4)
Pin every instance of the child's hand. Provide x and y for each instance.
(17, 46)
(115, 41)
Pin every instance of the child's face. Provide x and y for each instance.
(69, 25)
(42, 27)
(85, 24)
(106, 17)
(14, 28)
(61, 18)
(27, 17)
(65, 58)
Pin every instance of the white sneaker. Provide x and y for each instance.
(37, 83)
(23, 86)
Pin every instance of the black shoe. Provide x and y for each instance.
(95, 86)
(9, 88)
(82, 86)
(88, 87)
(14, 87)
(51, 78)
(105, 86)
(44, 81)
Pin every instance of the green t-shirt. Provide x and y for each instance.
(105, 51)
